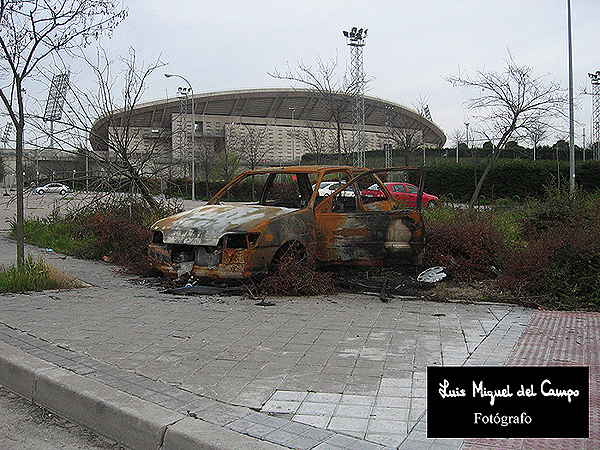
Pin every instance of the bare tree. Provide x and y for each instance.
(420, 105)
(537, 133)
(457, 137)
(31, 33)
(228, 162)
(121, 146)
(251, 144)
(405, 131)
(206, 161)
(510, 103)
(316, 139)
(335, 94)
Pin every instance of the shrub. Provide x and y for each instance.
(508, 178)
(295, 273)
(115, 229)
(560, 253)
(120, 240)
(468, 242)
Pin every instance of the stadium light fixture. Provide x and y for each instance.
(169, 75)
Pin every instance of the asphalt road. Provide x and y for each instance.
(25, 426)
(43, 205)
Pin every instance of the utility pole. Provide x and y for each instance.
(583, 144)
(293, 110)
(356, 40)
(571, 107)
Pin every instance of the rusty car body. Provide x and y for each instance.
(284, 209)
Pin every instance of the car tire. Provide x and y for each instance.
(62, 192)
(40, 192)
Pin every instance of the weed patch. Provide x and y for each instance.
(559, 253)
(35, 275)
(296, 274)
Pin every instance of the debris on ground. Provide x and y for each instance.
(206, 289)
(432, 275)
(386, 283)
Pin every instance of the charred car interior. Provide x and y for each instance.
(248, 225)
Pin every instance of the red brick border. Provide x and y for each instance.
(555, 338)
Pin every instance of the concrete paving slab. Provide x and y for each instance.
(334, 372)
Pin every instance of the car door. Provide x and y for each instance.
(366, 230)
(399, 191)
(412, 193)
(407, 193)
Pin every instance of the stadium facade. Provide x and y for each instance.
(285, 123)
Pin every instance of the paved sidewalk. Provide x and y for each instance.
(326, 373)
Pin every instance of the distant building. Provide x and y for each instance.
(286, 120)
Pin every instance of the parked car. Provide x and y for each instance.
(285, 212)
(404, 192)
(51, 188)
(329, 187)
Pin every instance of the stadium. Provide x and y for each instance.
(280, 126)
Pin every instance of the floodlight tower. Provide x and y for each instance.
(356, 40)
(56, 101)
(595, 138)
(53, 110)
(184, 93)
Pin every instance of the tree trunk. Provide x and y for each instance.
(138, 183)
(493, 159)
(20, 225)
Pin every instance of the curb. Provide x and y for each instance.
(131, 421)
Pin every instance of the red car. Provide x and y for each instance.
(404, 192)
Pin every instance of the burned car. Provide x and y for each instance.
(247, 227)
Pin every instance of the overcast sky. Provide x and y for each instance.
(410, 48)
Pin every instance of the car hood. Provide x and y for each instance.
(207, 224)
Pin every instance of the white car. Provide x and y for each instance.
(51, 188)
(328, 187)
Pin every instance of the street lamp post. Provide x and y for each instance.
(293, 137)
(169, 75)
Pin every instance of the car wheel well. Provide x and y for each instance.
(289, 251)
